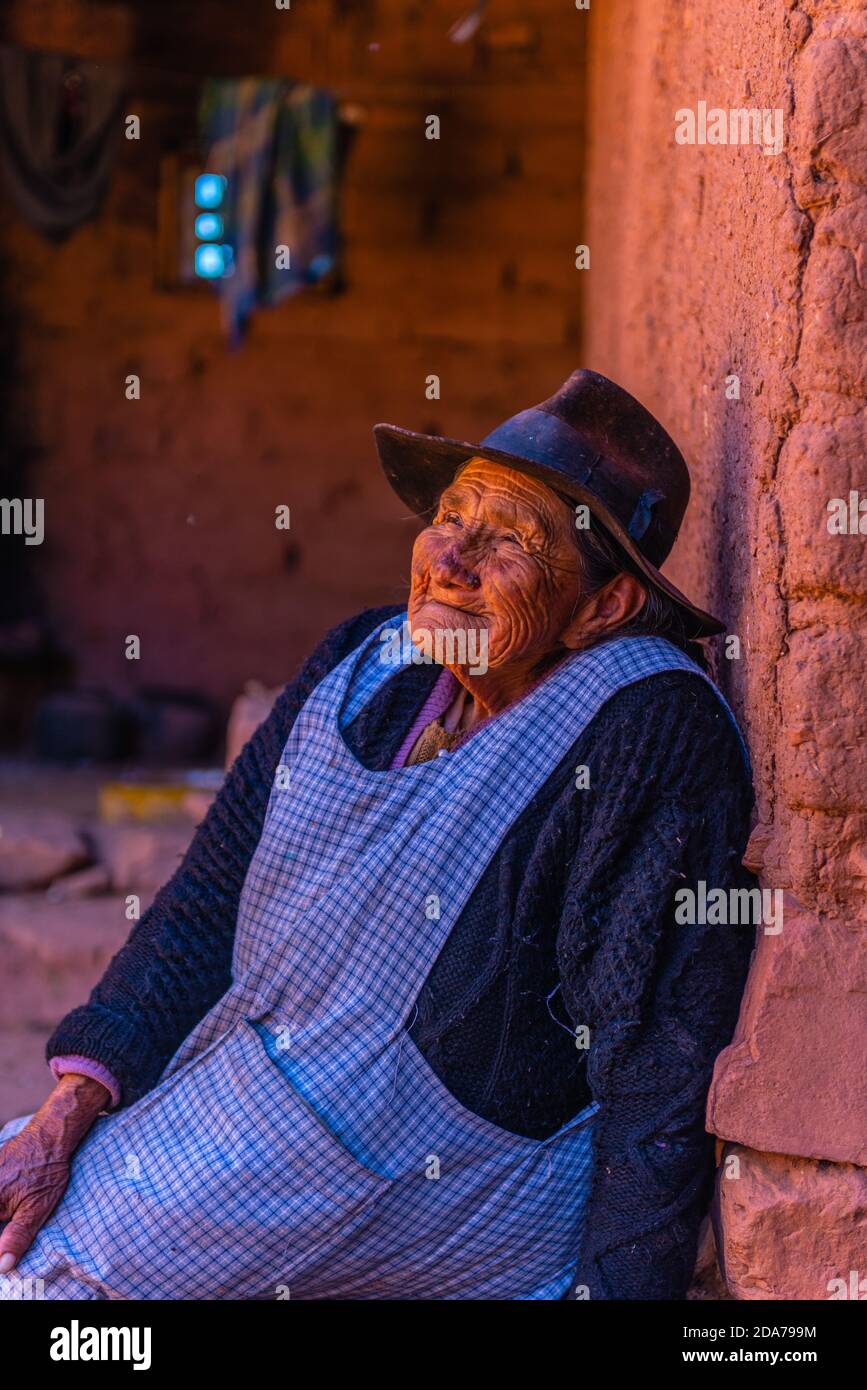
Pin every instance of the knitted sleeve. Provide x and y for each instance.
(668, 808)
(177, 961)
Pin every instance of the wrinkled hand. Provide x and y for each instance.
(34, 1164)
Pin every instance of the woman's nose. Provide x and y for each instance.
(450, 568)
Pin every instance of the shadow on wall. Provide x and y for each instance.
(732, 446)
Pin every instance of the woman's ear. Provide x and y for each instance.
(616, 603)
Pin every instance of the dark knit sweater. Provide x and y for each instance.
(571, 924)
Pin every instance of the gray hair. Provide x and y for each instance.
(602, 559)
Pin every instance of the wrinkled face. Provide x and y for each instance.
(498, 555)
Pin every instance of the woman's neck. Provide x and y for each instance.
(483, 696)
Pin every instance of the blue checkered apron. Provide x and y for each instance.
(298, 1144)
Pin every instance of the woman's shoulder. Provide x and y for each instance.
(337, 643)
(666, 700)
(670, 728)
(345, 636)
(685, 693)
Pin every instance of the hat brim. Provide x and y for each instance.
(420, 466)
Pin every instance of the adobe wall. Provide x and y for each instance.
(710, 262)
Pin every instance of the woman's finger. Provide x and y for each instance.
(20, 1233)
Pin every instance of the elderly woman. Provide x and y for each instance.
(415, 1018)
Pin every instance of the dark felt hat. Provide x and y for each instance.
(591, 442)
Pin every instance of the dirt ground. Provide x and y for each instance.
(54, 945)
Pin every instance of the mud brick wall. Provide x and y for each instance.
(458, 261)
(709, 262)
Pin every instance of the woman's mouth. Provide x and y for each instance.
(451, 606)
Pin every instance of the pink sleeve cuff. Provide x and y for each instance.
(85, 1066)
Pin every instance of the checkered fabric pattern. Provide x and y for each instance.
(299, 1140)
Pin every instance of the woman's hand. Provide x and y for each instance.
(34, 1164)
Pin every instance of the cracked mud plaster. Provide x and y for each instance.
(710, 261)
(707, 262)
